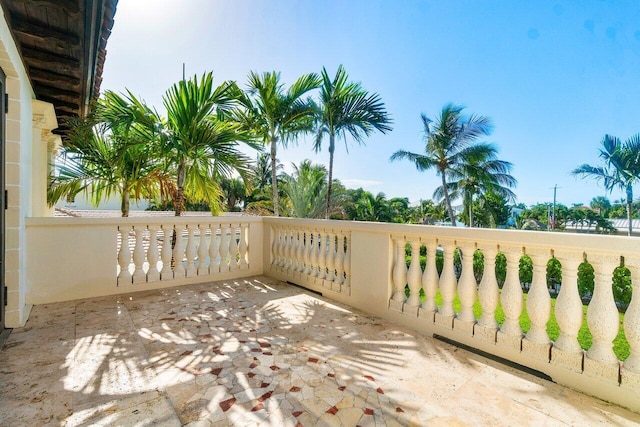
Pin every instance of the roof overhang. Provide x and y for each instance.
(63, 47)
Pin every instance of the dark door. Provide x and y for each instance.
(3, 109)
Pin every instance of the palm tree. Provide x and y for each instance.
(601, 203)
(306, 189)
(277, 116)
(621, 168)
(106, 154)
(233, 192)
(345, 107)
(480, 174)
(201, 144)
(449, 144)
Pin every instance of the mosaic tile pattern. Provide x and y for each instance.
(260, 352)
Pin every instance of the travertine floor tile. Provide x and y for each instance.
(260, 352)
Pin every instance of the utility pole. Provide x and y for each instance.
(555, 189)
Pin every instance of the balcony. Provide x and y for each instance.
(207, 328)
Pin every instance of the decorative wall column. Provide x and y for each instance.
(44, 148)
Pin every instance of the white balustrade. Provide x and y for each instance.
(340, 260)
(214, 249)
(322, 256)
(414, 275)
(331, 258)
(152, 254)
(467, 285)
(538, 300)
(166, 253)
(488, 292)
(233, 248)
(632, 320)
(124, 256)
(430, 279)
(315, 254)
(602, 314)
(139, 275)
(203, 250)
(190, 252)
(399, 273)
(448, 281)
(511, 297)
(224, 248)
(346, 285)
(242, 248)
(178, 252)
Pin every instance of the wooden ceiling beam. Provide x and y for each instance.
(41, 32)
(49, 77)
(57, 102)
(71, 7)
(45, 59)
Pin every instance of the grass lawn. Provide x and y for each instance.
(620, 344)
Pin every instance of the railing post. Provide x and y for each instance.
(124, 256)
(139, 275)
(566, 351)
(430, 282)
(214, 249)
(313, 254)
(166, 253)
(152, 254)
(224, 247)
(233, 248)
(331, 261)
(340, 262)
(346, 285)
(447, 285)
(631, 367)
(488, 293)
(243, 248)
(510, 333)
(203, 251)
(603, 320)
(399, 276)
(191, 251)
(537, 342)
(467, 291)
(322, 258)
(414, 276)
(178, 253)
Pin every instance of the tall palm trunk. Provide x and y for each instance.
(470, 204)
(124, 207)
(447, 199)
(332, 140)
(629, 202)
(178, 204)
(274, 176)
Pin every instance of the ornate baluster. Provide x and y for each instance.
(538, 307)
(510, 334)
(603, 320)
(346, 285)
(274, 246)
(331, 261)
(467, 289)
(282, 251)
(242, 248)
(322, 257)
(399, 276)
(224, 247)
(314, 255)
(139, 275)
(430, 282)
(488, 295)
(124, 256)
(166, 253)
(191, 251)
(566, 351)
(340, 261)
(152, 254)
(233, 248)
(632, 322)
(203, 251)
(414, 277)
(447, 287)
(300, 252)
(308, 247)
(214, 249)
(178, 253)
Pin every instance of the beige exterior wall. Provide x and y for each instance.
(24, 162)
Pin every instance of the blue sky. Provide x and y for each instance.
(554, 76)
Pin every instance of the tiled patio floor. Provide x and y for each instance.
(260, 352)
